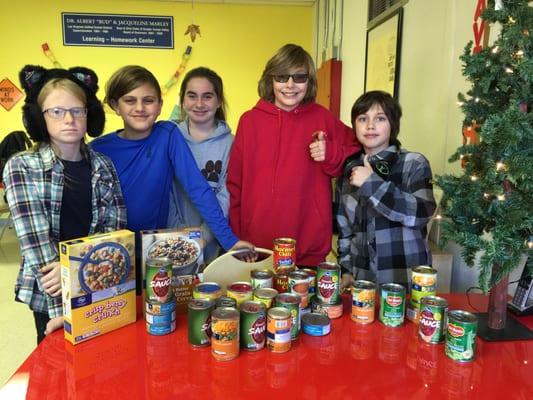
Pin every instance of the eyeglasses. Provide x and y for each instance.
(296, 78)
(59, 113)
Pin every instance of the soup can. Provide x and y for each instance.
(240, 291)
(281, 283)
(265, 296)
(363, 301)
(299, 284)
(333, 311)
(423, 283)
(311, 273)
(279, 322)
(207, 290)
(291, 302)
(284, 257)
(328, 282)
(261, 278)
(225, 333)
(253, 325)
(432, 322)
(199, 322)
(158, 279)
(392, 304)
(461, 336)
(225, 301)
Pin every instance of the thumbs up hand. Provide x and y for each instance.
(360, 174)
(317, 149)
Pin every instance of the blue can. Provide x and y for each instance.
(316, 324)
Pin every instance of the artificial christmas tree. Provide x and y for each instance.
(488, 209)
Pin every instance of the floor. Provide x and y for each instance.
(17, 339)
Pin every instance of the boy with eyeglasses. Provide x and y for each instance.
(286, 151)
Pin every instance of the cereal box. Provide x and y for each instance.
(184, 247)
(97, 284)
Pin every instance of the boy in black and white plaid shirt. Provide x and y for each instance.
(386, 198)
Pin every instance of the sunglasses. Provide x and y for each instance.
(296, 78)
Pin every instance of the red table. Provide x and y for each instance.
(353, 361)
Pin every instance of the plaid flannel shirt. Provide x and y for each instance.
(382, 224)
(34, 189)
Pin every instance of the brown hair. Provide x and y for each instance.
(126, 79)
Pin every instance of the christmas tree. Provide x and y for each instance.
(488, 209)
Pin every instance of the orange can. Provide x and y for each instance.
(225, 333)
(284, 257)
(363, 301)
(279, 330)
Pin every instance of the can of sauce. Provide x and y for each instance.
(225, 301)
(311, 273)
(261, 278)
(158, 280)
(199, 322)
(281, 283)
(279, 322)
(392, 304)
(363, 301)
(328, 282)
(291, 302)
(207, 290)
(423, 283)
(284, 257)
(240, 291)
(253, 325)
(461, 336)
(432, 321)
(299, 284)
(265, 296)
(225, 333)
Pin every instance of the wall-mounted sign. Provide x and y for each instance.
(118, 30)
(10, 94)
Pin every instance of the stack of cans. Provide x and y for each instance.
(160, 303)
(423, 283)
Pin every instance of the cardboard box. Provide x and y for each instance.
(184, 247)
(97, 284)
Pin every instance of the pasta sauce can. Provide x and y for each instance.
(199, 322)
(225, 333)
(253, 325)
(284, 257)
(328, 282)
(432, 321)
(158, 280)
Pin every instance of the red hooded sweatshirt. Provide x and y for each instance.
(276, 188)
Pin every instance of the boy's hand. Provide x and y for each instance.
(53, 324)
(346, 283)
(317, 149)
(360, 174)
(51, 279)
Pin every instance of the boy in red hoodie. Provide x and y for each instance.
(286, 150)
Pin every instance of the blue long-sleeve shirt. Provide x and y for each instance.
(146, 167)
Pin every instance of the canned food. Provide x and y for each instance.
(225, 333)
(207, 290)
(333, 311)
(261, 278)
(363, 301)
(328, 282)
(240, 291)
(160, 308)
(392, 304)
(199, 322)
(311, 273)
(225, 301)
(291, 302)
(279, 322)
(158, 279)
(265, 296)
(316, 324)
(253, 325)
(161, 329)
(159, 319)
(423, 283)
(281, 283)
(284, 259)
(461, 335)
(433, 312)
(412, 313)
(299, 284)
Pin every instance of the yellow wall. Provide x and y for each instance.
(236, 41)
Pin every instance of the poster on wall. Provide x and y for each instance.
(383, 45)
(118, 30)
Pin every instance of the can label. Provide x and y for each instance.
(159, 319)
(199, 322)
(281, 283)
(291, 302)
(460, 336)
(253, 325)
(363, 302)
(160, 330)
(278, 330)
(160, 308)
(423, 283)
(392, 310)
(327, 282)
(284, 257)
(225, 334)
(432, 319)
(158, 280)
(299, 284)
(261, 278)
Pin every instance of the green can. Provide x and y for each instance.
(253, 325)
(432, 322)
(158, 280)
(199, 322)
(291, 302)
(328, 278)
(392, 304)
(461, 336)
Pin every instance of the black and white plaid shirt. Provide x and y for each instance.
(382, 224)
